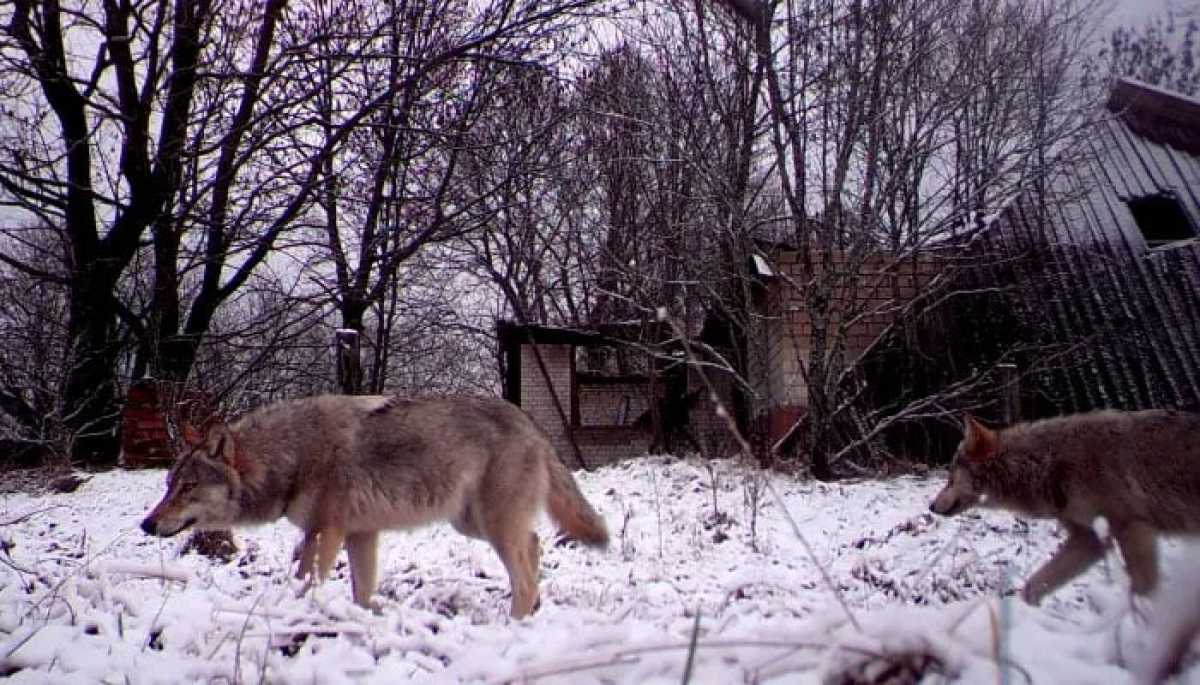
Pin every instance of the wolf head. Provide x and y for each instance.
(979, 445)
(203, 487)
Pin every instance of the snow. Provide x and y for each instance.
(761, 267)
(85, 597)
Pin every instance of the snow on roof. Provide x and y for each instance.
(761, 266)
(1158, 114)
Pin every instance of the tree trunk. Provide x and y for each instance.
(89, 396)
(349, 361)
(347, 346)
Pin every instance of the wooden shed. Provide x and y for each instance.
(607, 392)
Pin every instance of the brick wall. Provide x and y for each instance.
(536, 397)
(598, 440)
(612, 404)
(863, 302)
(605, 445)
(149, 407)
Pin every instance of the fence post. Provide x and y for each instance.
(1010, 393)
(349, 363)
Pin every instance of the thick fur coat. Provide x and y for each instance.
(1140, 471)
(344, 468)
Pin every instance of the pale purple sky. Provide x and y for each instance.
(1132, 13)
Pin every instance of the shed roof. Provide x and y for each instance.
(511, 332)
(1162, 116)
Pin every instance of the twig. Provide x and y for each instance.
(632, 655)
(563, 670)
(30, 514)
(691, 655)
(731, 425)
(937, 557)
(164, 572)
(657, 512)
(158, 615)
(812, 555)
(14, 566)
(356, 631)
(237, 653)
(21, 643)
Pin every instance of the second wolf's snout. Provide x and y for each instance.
(949, 502)
(953, 496)
(151, 526)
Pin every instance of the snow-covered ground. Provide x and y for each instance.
(86, 597)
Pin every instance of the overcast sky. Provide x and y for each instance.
(1132, 13)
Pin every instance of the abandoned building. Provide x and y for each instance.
(871, 293)
(617, 391)
(1090, 287)
(1109, 265)
(607, 393)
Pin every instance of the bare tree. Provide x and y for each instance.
(891, 122)
(189, 124)
(400, 185)
(523, 165)
(32, 316)
(629, 188)
(85, 159)
(712, 87)
(1165, 52)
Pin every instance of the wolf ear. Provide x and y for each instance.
(191, 436)
(221, 445)
(979, 441)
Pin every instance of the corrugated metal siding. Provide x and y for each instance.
(1086, 278)
(1068, 290)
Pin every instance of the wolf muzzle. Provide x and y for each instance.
(952, 507)
(150, 527)
(942, 511)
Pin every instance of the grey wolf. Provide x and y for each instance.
(1138, 470)
(343, 468)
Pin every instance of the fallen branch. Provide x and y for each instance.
(28, 515)
(178, 574)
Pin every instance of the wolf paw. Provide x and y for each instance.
(1139, 609)
(306, 587)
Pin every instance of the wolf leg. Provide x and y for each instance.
(362, 549)
(515, 556)
(535, 557)
(305, 554)
(535, 568)
(1080, 550)
(511, 540)
(520, 559)
(329, 543)
(1138, 548)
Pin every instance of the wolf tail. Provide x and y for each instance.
(572, 512)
